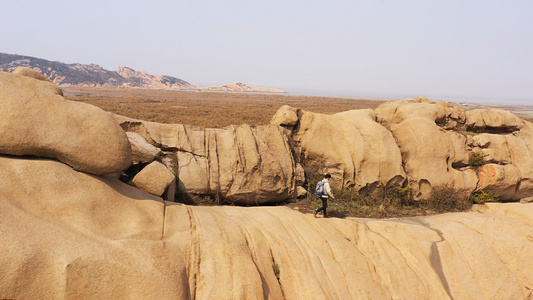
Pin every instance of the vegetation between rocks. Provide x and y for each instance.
(476, 159)
(275, 267)
(482, 196)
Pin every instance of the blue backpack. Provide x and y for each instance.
(320, 189)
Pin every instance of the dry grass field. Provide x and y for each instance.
(206, 109)
(220, 109)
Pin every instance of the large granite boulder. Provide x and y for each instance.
(493, 119)
(285, 116)
(443, 114)
(510, 158)
(357, 151)
(433, 157)
(241, 164)
(96, 237)
(37, 120)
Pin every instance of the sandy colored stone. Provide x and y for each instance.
(481, 119)
(299, 174)
(445, 115)
(301, 192)
(513, 178)
(37, 120)
(118, 242)
(526, 200)
(499, 179)
(241, 164)
(154, 178)
(413, 140)
(358, 152)
(142, 151)
(434, 157)
(285, 116)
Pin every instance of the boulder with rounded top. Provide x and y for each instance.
(37, 120)
(495, 119)
(358, 152)
(285, 116)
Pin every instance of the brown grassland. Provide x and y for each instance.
(206, 109)
(220, 109)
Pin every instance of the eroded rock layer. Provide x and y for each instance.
(119, 242)
(241, 164)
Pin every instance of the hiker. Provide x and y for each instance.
(323, 191)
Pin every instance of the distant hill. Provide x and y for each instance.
(91, 75)
(95, 76)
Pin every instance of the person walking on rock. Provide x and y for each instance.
(323, 190)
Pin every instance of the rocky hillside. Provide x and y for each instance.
(95, 76)
(69, 229)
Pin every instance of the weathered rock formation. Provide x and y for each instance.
(357, 151)
(66, 234)
(241, 164)
(417, 142)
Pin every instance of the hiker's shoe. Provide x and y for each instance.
(314, 213)
(326, 216)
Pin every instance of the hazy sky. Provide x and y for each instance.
(476, 51)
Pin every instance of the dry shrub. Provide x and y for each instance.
(476, 159)
(447, 200)
(482, 196)
(396, 201)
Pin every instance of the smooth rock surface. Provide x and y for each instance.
(118, 242)
(37, 120)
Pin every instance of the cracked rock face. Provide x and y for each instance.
(241, 164)
(37, 120)
(118, 242)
